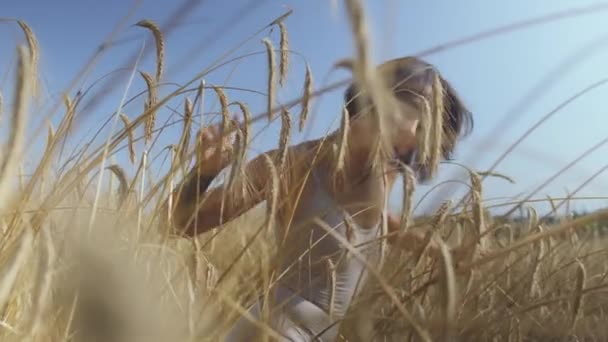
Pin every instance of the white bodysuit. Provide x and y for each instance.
(308, 285)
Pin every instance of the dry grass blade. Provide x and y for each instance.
(368, 82)
(532, 219)
(331, 270)
(241, 145)
(423, 138)
(273, 192)
(281, 18)
(237, 168)
(272, 87)
(436, 148)
(485, 174)
(306, 97)
(32, 44)
(556, 230)
(342, 142)
(123, 188)
(185, 139)
(43, 283)
(535, 287)
(442, 213)
(581, 276)
(552, 203)
(221, 95)
(22, 92)
(160, 46)
(50, 136)
(246, 127)
(284, 139)
(130, 138)
(409, 185)
(345, 63)
(284, 45)
(476, 201)
(448, 290)
(150, 103)
(14, 265)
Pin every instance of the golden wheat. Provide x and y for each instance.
(342, 142)
(223, 98)
(22, 92)
(160, 45)
(34, 51)
(436, 148)
(130, 137)
(271, 86)
(540, 281)
(150, 103)
(306, 97)
(409, 185)
(186, 132)
(123, 189)
(284, 140)
(284, 46)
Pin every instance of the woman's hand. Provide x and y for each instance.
(216, 149)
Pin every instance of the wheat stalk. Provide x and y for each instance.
(34, 48)
(123, 188)
(130, 138)
(409, 185)
(160, 45)
(50, 136)
(237, 161)
(581, 276)
(273, 193)
(150, 103)
(43, 283)
(221, 95)
(476, 200)
(424, 135)
(19, 119)
(368, 82)
(185, 139)
(436, 148)
(448, 290)
(441, 214)
(306, 97)
(284, 46)
(246, 127)
(284, 139)
(342, 141)
(14, 265)
(271, 76)
(331, 271)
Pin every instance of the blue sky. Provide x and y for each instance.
(492, 75)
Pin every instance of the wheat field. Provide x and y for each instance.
(87, 254)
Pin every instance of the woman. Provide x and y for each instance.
(325, 212)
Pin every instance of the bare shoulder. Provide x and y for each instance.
(308, 154)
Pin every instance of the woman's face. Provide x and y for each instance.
(402, 126)
(415, 86)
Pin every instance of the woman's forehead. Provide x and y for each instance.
(408, 73)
